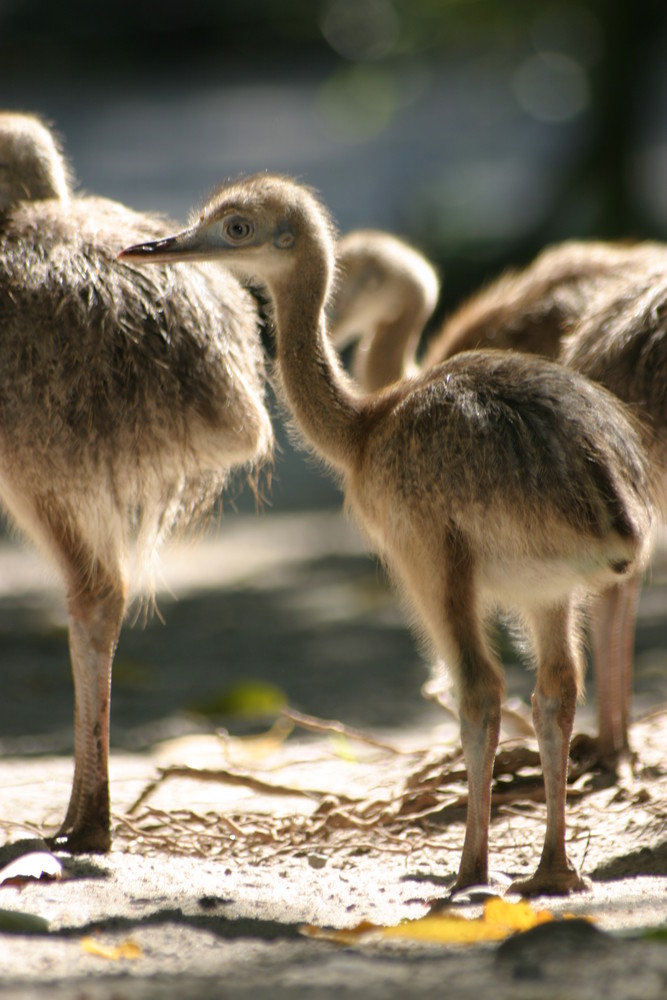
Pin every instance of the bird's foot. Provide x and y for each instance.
(86, 828)
(470, 878)
(84, 839)
(552, 881)
(608, 765)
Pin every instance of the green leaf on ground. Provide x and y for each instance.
(15, 922)
(250, 699)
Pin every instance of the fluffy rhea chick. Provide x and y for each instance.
(493, 479)
(538, 310)
(385, 293)
(531, 309)
(31, 164)
(620, 341)
(126, 398)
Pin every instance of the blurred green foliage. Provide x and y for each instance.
(560, 131)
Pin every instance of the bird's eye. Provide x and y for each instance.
(237, 229)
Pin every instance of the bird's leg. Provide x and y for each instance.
(554, 704)
(631, 592)
(93, 634)
(612, 635)
(553, 718)
(441, 583)
(480, 687)
(96, 603)
(480, 691)
(480, 730)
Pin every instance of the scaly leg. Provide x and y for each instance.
(480, 689)
(631, 592)
(441, 584)
(96, 596)
(613, 632)
(479, 739)
(554, 703)
(93, 634)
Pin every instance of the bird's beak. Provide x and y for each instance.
(187, 245)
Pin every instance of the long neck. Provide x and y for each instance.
(318, 392)
(389, 353)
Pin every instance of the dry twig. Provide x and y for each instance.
(414, 815)
(335, 728)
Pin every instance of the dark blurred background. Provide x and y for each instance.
(477, 129)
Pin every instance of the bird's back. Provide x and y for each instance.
(533, 309)
(525, 459)
(621, 342)
(126, 395)
(106, 361)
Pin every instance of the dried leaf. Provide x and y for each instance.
(126, 949)
(256, 748)
(30, 867)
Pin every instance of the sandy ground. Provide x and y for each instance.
(211, 883)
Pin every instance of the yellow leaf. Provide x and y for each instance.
(345, 935)
(513, 916)
(126, 949)
(498, 921)
(447, 930)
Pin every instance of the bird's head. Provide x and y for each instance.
(381, 279)
(32, 167)
(260, 227)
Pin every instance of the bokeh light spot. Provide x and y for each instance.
(552, 87)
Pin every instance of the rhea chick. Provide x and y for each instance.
(126, 399)
(620, 342)
(537, 310)
(492, 479)
(385, 293)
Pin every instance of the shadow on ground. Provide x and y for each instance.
(328, 634)
(647, 861)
